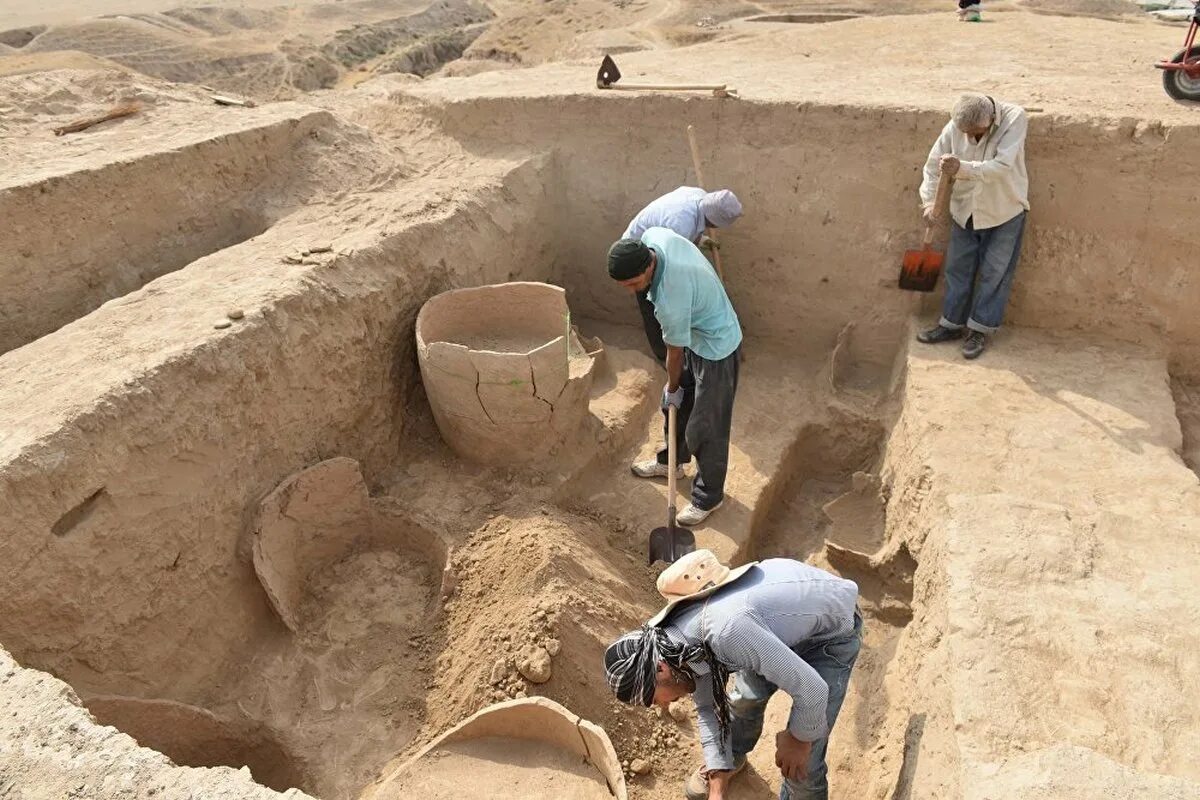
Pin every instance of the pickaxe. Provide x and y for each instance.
(608, 76)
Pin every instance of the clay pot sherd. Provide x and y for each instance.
(506, 377)
(527, 749)
(319, 516)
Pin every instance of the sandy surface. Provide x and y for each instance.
(137, 437)
(271, 50)
(1023, 57)
(507, 769)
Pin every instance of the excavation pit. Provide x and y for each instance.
(194, 737)
(134, 501)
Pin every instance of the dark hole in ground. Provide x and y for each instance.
(193, 737)
(802, 18)
(19, 37)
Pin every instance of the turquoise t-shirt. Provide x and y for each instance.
(689, 301)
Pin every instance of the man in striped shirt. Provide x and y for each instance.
(779, 625)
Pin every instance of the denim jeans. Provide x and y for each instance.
(979, 274)
(703, 423)
(833, 661)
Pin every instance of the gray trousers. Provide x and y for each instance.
(703, 423)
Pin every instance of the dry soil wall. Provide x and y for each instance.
(830, 196)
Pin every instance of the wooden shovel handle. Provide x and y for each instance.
(667, 87)
(711, 232)
(941, 205)
(671, 464)
(942, 198)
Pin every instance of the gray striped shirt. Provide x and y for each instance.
(753, 625)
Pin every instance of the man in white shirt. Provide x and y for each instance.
(983, 148)
(687, 211)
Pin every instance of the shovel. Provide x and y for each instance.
(669, 543)
(920, 269)
(608, 76)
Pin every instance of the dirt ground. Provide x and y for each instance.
(272, 51)
(203, 301)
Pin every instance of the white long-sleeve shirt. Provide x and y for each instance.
(755, 624)
(678, 211)
(991, 185)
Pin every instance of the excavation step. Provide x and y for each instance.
(70, 247)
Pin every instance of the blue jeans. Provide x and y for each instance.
(833, 661)
(979, 274)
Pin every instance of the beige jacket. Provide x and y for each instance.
(992, 185)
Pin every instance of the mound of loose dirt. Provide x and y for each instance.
(540, 593)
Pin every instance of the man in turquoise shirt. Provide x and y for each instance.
(703, 336)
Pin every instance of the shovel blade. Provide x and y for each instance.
(669, 544)
(608, 74)
(920, 269)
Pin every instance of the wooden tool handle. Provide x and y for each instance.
(667, 87)
(712, 234)
(941, 200)
(695, 155)
(941, 205)
(671, 465)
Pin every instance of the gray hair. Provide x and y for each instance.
(973, 111)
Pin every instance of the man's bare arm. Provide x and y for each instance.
(674, 367)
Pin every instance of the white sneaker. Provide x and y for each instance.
(653, 469)
(694, 516)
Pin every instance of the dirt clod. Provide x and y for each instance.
(535, 665)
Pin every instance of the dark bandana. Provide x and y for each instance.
(631, 663)
(627, 259)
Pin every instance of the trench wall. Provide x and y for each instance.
(75, 239)
(830, 205)
(125, 499)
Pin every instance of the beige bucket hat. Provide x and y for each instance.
(696, 575)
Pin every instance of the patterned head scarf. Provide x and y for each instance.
(721, 208)
(631, 665)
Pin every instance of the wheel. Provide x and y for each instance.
(1176, 81)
